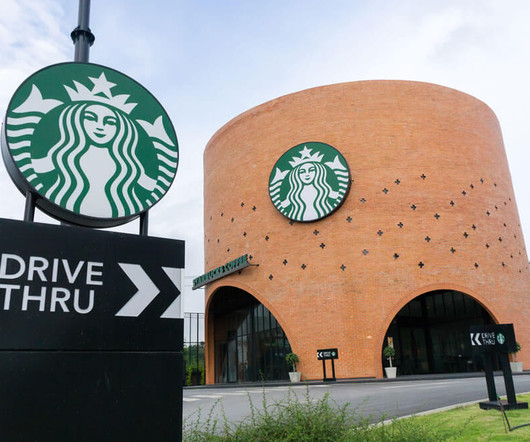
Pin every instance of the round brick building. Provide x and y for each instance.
(425, 242)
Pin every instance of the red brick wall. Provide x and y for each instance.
(407, 144)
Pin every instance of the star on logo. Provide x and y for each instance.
(101, 84)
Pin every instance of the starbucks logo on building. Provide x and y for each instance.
(94, 145)
(309, 181)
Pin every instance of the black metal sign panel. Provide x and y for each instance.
(329, 353)
(498, 338)
(69, 288)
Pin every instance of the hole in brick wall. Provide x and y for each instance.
(303, 266)
(474, 227)
(315, 232)
(427, 238)
(436, 216)
(232, 220)
(452, 203)
(482, 180)
(343, 267)
(380, 232)
(487, 246)
(242, 204)
(245, 234)
(464, 192)
(423, 176)
(476, 265)
(471, 185)
(365, 252)
(385, 190)
(363, 200)
(250, 257)
(397, 181)
(254, 208)
(222, 214)
(349, 219)
(322, 245)
(420, 265)
(396, 255)
(271, 277)
(400, 225)
(267, 238)
(465, 234)
(291, 222)
(413, 207)
(488, 213)
(453, 250)
(228, 250)
(285, 262)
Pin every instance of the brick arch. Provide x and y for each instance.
(213, 290)
(403, 301)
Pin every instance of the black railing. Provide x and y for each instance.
(193, 353)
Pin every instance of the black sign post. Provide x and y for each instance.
(323, 355)
(90, 334)
(496, 341)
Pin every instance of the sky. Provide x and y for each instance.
(208, 61)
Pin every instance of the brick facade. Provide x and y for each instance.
(431, 207)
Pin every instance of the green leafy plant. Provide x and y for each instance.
(389, 353)
(517, 348)
(292, 359)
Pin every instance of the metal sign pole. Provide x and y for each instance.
(82, 36)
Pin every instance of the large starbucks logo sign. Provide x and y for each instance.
(309, 181)
(94, 145)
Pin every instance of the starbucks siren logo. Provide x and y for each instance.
(500, 338)
(95, 145)
(309, 181)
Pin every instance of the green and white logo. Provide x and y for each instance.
(500, 338)
(309, 181)
(95, 145)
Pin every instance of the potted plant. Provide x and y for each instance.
(292, 359)
(517, 367)
(389, 352)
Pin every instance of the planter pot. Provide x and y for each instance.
(391, 372)
(294, 376)
(517, 367)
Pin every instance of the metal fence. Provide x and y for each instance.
(193, 354)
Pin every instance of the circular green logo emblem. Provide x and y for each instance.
(309, 181)
(501, 338)
(94, 145)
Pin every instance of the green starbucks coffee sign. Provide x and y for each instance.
(94, 145)
(309, 181)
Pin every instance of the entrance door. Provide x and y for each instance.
(431, 333)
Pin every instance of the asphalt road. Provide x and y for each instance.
(378, 399)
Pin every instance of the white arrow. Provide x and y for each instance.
(147, 290)
(173, 311)
(475, 339)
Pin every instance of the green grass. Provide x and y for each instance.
(303, 419)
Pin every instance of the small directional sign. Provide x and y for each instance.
(329, 353)
(68, 288)
(492, 338)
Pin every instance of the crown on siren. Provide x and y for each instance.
(100, 93)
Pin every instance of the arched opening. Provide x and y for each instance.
(431, 333)
(249, 343)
